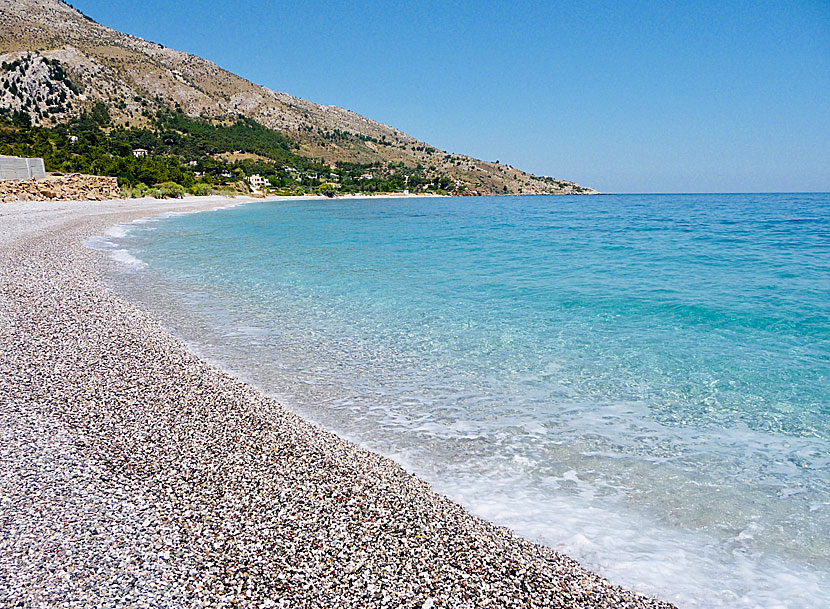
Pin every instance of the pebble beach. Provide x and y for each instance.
(135, 474)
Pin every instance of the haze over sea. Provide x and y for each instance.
(640, 381)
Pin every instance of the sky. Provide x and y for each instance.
(667, 96)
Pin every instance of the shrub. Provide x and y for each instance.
(136, 191)
(171, 190)
(326, 190)
(201, 189)
(225, 192)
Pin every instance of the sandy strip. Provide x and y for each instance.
(135, 474)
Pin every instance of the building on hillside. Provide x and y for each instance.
(19, 168)
(138, 152)
(73, 139)
(257, 181)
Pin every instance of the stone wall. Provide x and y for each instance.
(69, 187)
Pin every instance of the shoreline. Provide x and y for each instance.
(135, 471)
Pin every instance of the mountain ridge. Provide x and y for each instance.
(136, 77)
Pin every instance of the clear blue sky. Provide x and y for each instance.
(665, 96)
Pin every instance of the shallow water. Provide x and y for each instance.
(640, 381)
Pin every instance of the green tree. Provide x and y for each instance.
(326, 189)
(100, 114)
(22, 119)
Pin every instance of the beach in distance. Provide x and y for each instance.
(516, 401)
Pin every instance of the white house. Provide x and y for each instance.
(257, 181)
(139, 152)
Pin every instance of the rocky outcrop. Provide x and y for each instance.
(69, 187)
(36, 85)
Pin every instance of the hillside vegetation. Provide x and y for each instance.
(193, 154)
(58, 63)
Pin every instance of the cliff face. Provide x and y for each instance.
(56, 62)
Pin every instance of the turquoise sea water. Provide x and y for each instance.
(642, 382)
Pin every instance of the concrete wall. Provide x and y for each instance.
(16, 168)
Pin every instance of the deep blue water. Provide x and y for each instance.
(640, 381)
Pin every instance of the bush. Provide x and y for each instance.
(171, 190)
(201, 189)
(136, 191)
(225, 192)
(326, 190)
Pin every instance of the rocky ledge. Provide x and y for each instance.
(66, 187)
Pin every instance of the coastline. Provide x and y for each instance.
(134, 471)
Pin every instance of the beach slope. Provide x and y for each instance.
(135, 473)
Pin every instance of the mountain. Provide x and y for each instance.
(57, 62)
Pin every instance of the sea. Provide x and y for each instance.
(639, 381)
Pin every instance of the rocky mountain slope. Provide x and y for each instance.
(56, 62)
